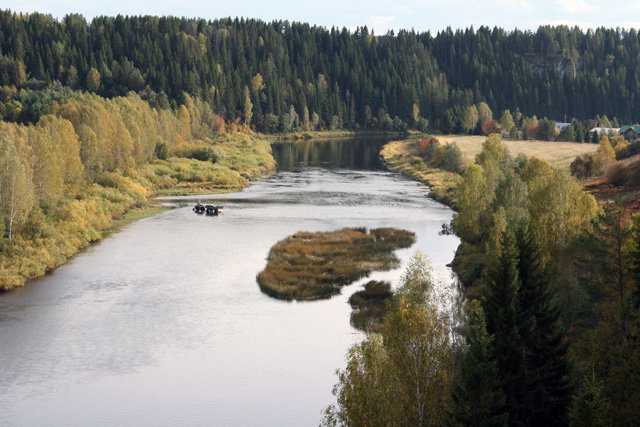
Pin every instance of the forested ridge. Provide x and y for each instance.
(279, 75)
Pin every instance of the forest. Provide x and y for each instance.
(279, 75)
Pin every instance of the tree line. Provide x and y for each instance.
(279, 75)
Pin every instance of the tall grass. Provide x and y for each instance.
(309, 266)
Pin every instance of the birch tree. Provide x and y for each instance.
(404, 375)
(16, 192)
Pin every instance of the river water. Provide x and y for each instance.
(163, 323)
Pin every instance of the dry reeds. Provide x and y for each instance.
(309, 266)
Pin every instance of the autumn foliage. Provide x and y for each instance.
(490, 126)
(64, 180)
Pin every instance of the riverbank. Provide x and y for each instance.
(545, 192)
(116, 199)
(402, 157)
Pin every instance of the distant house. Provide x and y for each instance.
(605, 131)
(631, 133)
(560, 126)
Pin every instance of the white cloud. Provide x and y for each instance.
(576, 6)
(381, 24)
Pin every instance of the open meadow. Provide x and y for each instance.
(556, 153)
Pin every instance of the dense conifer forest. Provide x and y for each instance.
(280, 75)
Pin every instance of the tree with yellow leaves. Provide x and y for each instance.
(472, 199)
(404, 375)
(605, 151)
(560, 211)
(16, 192)
(248, 106)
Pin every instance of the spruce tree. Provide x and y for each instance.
(546, 382)
(501, 309)
(592, 407)
(634, 255)
(478, 398)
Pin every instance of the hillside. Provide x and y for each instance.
(279, 75)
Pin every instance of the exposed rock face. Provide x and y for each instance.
(562, 65)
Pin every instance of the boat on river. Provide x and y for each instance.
(210, 210)
(213, 210)
(198, 208)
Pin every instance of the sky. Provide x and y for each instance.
(381, 15)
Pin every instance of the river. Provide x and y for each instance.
(163, 323)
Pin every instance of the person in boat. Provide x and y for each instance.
(211, 210)
(198, 208)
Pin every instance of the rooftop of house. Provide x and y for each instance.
(624, 129)
(603, 131)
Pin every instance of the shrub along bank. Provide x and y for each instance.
(403, 157)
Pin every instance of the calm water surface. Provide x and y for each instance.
(163, 323)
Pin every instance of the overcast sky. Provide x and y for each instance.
(377, 14)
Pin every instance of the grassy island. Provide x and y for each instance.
(309, 266)
(369, 305)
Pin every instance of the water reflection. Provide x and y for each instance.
(361, 153)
